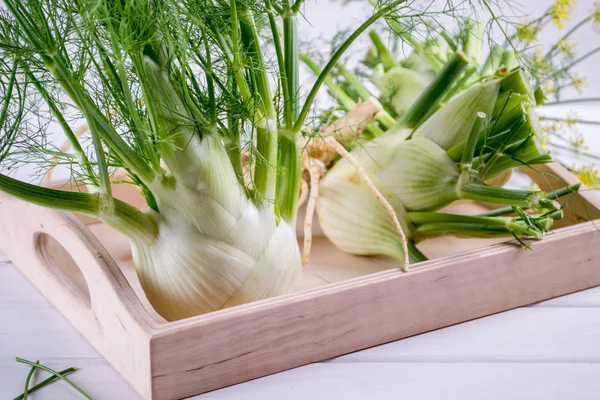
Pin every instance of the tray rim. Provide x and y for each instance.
(149, 333)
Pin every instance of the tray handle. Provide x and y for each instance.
(98, 300)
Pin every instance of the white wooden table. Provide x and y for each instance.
(547, 351)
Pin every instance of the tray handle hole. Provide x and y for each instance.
(60, 263)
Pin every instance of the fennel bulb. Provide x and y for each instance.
(177, 93)
(214, 248)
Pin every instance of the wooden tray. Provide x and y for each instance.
(343, 304)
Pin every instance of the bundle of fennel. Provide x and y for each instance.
(181, 96)
(174, 93)
(448, 129)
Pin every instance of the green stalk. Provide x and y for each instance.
(232, 144)
(386, 57)
(509, 59)
(335, 58)
(265, 177)
(210, 83)
(434, 93)
(335, 90)
(383, 117)
(296, 7)
(288, 120)
(58, 374)
(431, 224)
(27, 380)
(550, 196)
(493, 61)
(414, 254)
(288, 184)
(474, 230)
(119, 76)
(344, 99)
(469, 149)
(513, 197)
(122, 216)
(46, 381)
(290, 47)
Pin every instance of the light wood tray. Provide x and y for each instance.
(343, 304)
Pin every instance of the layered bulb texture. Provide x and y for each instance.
(477, 136)
(214, 248)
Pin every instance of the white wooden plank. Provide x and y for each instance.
(99, 380)
(522, 335)
(44, 346)
(585, 298)
(528, 334)
(423, 381)
(32, 317)
(15, 287)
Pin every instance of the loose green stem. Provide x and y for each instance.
(46, 381)
(435, 91)
(335, 58)
(296, 7)
(474, 41)
(29, 375)
(426, 217)
(386, 57)
(57, 374)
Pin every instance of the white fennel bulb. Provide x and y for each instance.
(350, 216)
(214, 248)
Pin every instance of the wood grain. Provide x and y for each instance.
(115, 321)
(371, 303)
(202, 353)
